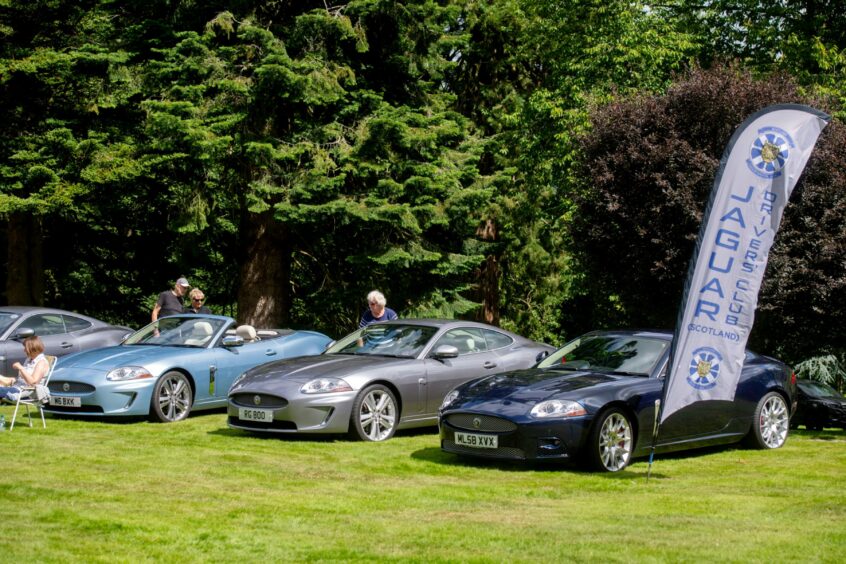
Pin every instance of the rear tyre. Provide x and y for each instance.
(770, 424)
(374, 415)
(610, 443)
(172, 398)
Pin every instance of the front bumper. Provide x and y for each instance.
(318, 413)
(102, 398)
(561, 439)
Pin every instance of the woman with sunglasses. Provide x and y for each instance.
(197, 300)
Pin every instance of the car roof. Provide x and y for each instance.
(441, 323)
(39, 309)
(652, 333)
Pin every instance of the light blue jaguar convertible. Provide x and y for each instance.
(170, 367)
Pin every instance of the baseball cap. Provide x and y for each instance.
(183, 282)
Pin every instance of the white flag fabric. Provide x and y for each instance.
(760, 167)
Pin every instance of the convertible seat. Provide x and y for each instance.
(247, 332)
(200, 334)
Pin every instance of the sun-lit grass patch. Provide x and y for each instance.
(88, 491)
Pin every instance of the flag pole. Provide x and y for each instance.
(654, 440)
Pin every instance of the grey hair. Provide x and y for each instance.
(378, 297)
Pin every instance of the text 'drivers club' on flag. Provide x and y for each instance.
(760, 167)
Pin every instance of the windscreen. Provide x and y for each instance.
(625, 354)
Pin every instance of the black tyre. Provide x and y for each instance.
(770, 423)
(172, 398)
(611, 440)
(374, 415)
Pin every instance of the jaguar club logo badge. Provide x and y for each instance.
(704, 368)
(257, 400)
(770, 152)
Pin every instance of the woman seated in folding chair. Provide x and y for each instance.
(30, 373)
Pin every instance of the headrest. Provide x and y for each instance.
(202, 328)
(246, 332)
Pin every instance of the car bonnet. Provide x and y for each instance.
(303, 369)
(528, 387)
(108, 358)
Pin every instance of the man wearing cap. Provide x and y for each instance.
(170, 301)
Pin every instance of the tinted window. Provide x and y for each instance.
(44, 324)
(382, 339)
(609, 353)
(75, 323)
(6, 320)
(496, 340)
(466, 339)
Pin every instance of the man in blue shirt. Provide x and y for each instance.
(376, 310)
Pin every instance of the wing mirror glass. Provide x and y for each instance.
(24, 333)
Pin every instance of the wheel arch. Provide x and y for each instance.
(390, 385)
(185, 372)
(627, 410)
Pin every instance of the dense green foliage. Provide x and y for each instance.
(290, 156)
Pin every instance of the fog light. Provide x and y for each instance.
(549, 443)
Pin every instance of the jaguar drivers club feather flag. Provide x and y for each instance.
(760, 167)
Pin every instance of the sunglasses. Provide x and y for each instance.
(196, 299)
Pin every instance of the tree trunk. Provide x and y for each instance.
(264, 297)
(488, 277)
(25, 273)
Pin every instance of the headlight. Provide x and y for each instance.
(325, 386)
(128, 373)
(558, 408)
(237, 381)
(450, 397)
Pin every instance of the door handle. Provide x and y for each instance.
(270, 352)
(490, 364)
(421, 381)
(66, 345)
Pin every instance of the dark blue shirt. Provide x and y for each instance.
(367, 317)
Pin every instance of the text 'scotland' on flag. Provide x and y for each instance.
(758, 171)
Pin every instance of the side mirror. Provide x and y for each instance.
(446, 351)
(230, 341)
(541, 355)
(329, 344)
(24, 333)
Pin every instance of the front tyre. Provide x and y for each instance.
(172, 398)
(609, 447)
(374, 415)
(770, 424)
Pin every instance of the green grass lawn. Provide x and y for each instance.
(85, 490)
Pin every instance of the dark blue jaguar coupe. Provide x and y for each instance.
(594, 401)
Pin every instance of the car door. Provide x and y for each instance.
(473, 360)
(50, 327)
(698, 420)
(221, 365)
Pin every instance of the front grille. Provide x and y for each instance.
(503, 452)
(265, 401)
(72, 387)
(259, 426)
(486, 423)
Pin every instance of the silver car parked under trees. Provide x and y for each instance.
(381, 378)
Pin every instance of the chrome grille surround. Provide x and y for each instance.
(267, 401)
(486, 423)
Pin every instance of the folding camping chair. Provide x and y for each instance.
(36, 396)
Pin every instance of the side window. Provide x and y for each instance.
(75, 323)
(467, 340)
(45, 324)
(496, 340)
